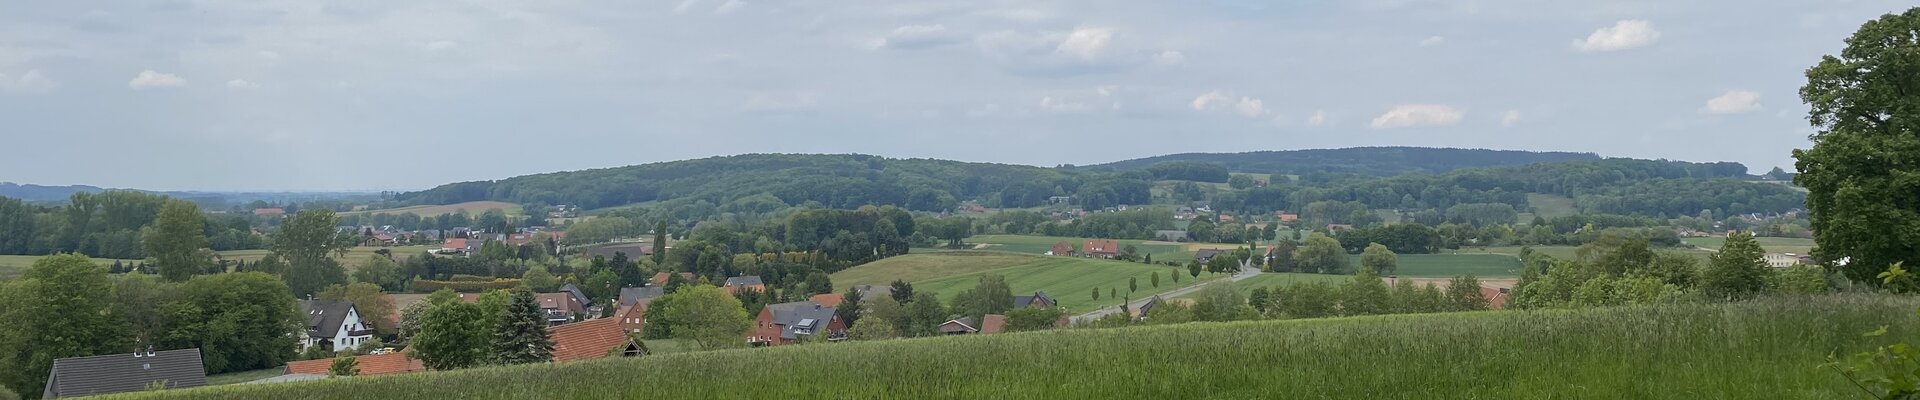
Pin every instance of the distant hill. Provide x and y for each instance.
(32, 192)
(1375, 161)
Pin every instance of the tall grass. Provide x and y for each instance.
(1762, 349)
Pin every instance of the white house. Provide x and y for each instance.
(334, 324)
(1782, 260)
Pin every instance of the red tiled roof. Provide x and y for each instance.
(586, 340)
(993, 323)
(454, 244)
(393, 363)
(1101, 246)
(827, 299)
(1495, 299)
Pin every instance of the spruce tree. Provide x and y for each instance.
(521, 337)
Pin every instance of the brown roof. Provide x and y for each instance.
(993, 323)
(1094, 246)
(393, 363)
(586, 340)
(559, 301)
(1495, 299)
(827, 299)
(454, 244)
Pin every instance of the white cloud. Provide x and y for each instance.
(1433, 41)
(441, 45)
(917, 37)
(729, 7)
(30, 82)
(1411, 115)
(241, 84)
(684, 6)
(149, 79)
(1510, 118)
(1086, 43)
(779, 102)
(1245, 106)
(1733, 102)
(1169, 57)
(1626, 34)
(1062, 105)
(1318, 118)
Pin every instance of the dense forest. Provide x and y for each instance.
(1373, 161)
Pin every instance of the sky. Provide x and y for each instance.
(402, 95)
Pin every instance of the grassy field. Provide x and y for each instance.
(1772, 244)
(473, 208)
(1041, 244)
(1768, 349)
(1550, 206)
(354, 257)
(244, 376)
(1561, 252)
(1068, 280)
(13, 266)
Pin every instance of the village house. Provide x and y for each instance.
(1037, 300)
(660, 279)
(333, 325)
(827, 299)
(561, 307)
(784, 323)
(1782, 260)
(1205, 255)
(121, 373)
(737, 284)
(1061, 249)
(1100, 248)
(633, 307)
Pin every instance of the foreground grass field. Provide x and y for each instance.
(1772, 244)
(12, 266)
(1765, 349)
(1068, 280)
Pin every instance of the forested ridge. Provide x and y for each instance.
(1374, 161)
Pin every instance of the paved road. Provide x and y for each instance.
(1136, 303)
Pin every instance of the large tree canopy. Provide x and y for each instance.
(1863, 172)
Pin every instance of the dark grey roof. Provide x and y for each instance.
(577, 294)
(631, 295)
(792, 316)
(86, 376)
(1203, 255)
(1023, 301)
(748, 280)
(325, 317)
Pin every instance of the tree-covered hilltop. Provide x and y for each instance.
(835, 181)
(1373, 161)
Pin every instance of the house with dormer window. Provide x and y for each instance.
(336, 325)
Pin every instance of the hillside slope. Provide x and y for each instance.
(1377, 161)
(1762, 349)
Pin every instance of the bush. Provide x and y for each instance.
(427, 286)
(469, 278)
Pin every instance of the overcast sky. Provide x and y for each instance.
(301, 95)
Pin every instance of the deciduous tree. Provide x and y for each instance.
(175, 240)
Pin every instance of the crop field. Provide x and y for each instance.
(1069, 280)
(13, 266)
(1772, 244)
(472, 208)
(1765, 349)
(1448, 265)
(354, 258)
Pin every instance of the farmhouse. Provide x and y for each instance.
(1782, 260)
(785, 323)
(737, 284)
(1037, 300)
(334, 325)
(1100, 248)
(1061, 249)
(120, 373)
(1205, 255)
